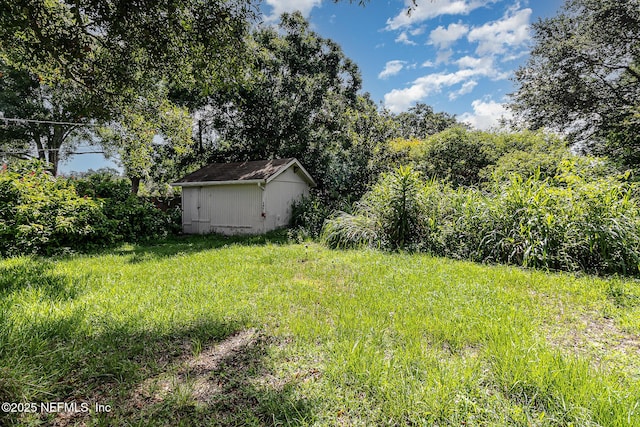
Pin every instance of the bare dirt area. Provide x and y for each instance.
(195, 374)
(224, 383)
(598, 339)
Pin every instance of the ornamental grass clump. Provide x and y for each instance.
(390, 216)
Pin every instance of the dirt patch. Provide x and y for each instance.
(598, 339)
(188, 374)
(194, 376)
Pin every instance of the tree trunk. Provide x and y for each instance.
(54, 148)
(135, 185)
(41, 152)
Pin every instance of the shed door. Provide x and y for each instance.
(190, 202)
(195, 215)
(203, 217)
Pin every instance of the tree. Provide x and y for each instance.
(58, 115)
(93, 61)
(420, 121)
(112, 47)
(152, 125)
(583, 76)
(295, 105)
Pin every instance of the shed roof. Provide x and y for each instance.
(242, 172)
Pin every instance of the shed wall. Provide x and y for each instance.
(225, 209)
(280, 195)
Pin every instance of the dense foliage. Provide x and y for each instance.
(131, 218)
(466, 157)
(583, 76)
(43, 214)
(112, 48)
(572, 221)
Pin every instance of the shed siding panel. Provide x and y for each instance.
(280, 195)
(190, 210)
(235, 209)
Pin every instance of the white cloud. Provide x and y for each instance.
(443, 56)
(428, 9)
(470, 70)
(466, 88)
(495, 37)
(486, 114)
(483, 66)
(443, 37)
(391, 69)
(428, 64)
(400, 99)
(278, 7)
(403, 38)
(418, 31)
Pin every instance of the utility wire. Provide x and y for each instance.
(46, 122)
(53, 149)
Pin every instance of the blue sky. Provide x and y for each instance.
(456, 55)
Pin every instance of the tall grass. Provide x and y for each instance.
(565, 223)
(346, 338)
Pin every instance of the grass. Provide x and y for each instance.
(216, 331)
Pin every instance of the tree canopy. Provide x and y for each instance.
(112, 47)
(300, 88)
(583, 76)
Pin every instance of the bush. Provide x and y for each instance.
(572, 222)
(103, 185)
(467, 158)
(308, 215)
(389, 216)
(131, 217)
(42, 214)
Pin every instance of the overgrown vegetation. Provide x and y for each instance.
(231, 331)
(573, 221)
(41, 214)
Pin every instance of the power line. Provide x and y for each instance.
(53, 149)
(46, 122)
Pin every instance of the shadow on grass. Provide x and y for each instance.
(189, 244)
(228, 383)
(37, 274)
(55, 360)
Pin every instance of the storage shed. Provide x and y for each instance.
(242, 198)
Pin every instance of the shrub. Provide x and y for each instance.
(131, 218)
(388, 216)
(42, 214)
(308, 216)
(103, 186)
(571, 222)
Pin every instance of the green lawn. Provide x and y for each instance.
(213, 331)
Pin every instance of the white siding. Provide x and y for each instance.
(238, 208)
(190, 203)
(279, 196)
(235, 209)
(225, 209)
